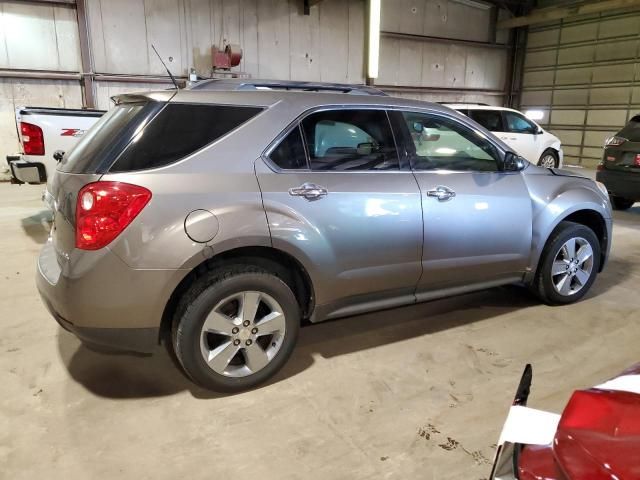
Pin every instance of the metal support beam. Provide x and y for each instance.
(542, 15)
(88, 90)
(448, 41)
(515, 67)
(70, 3)
(38, 74)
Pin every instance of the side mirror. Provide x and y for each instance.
(539, 131)
(513, 162)
(57, 155)
(365, 148)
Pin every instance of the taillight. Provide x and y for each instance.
(32, 139)
(614, 141)
(600, 167)
(104, 210)
(637, 161)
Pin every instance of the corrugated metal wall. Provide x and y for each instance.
(277, 39)
(584, 74)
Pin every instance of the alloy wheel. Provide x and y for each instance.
(548, 161)
(572, 266)
(242, 334)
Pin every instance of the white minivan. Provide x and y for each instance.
(516, 130)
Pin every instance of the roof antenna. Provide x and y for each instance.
(165, 67)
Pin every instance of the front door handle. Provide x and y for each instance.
(310, 191)
(442, 193)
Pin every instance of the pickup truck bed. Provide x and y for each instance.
(43, 131)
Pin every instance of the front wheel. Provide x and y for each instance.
(235, 328)
(620, 203)
(569, 264)
(548, 159)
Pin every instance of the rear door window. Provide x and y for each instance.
(350, 140)
(489, 119)
(179, 130)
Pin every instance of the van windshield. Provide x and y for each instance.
(103, 139)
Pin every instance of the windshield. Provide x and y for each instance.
(101, 140)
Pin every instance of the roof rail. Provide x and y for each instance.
(288, 85)
(464, 103)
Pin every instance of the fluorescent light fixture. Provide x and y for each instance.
(534, 114)
(374, 38)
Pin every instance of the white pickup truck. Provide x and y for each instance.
(43, 133)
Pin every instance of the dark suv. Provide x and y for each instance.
(620, 166)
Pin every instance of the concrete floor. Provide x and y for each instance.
(417, 392)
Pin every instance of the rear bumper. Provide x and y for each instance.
(621, 184)
(26, 172)
(101, 300)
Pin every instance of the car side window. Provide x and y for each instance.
(489, 119)
(517, 123)
(350, 140)
(441, 143)
(289, 154)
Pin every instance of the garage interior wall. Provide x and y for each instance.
(441, 50)
(584, 74)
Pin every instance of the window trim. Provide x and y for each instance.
(403, 162)
(407, 135)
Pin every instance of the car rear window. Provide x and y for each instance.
(99, 142)
(179, 130)
(631, 131)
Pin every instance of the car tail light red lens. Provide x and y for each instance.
(104, 210)
(32, 139)
(637, 161)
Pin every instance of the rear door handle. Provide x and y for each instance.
(442, 193)
(310, 191)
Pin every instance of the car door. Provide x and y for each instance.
(477, 218)
(338, 199)
(523, 135)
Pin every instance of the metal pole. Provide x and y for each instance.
(86, 76)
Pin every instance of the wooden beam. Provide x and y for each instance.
(542, 15)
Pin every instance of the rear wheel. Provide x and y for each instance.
(235, 328)
(569, 264)
(548, 159)
(620, 203)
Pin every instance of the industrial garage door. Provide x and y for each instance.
(584, 75)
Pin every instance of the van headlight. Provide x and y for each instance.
(602, 188)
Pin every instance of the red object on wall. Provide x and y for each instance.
(227, 58)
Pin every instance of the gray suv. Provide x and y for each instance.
(218, 221)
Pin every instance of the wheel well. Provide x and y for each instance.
(593, 220)
(283, 265)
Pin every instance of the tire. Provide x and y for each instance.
(619, 203)
(547, 157)
(550, 288)
(235, 352)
